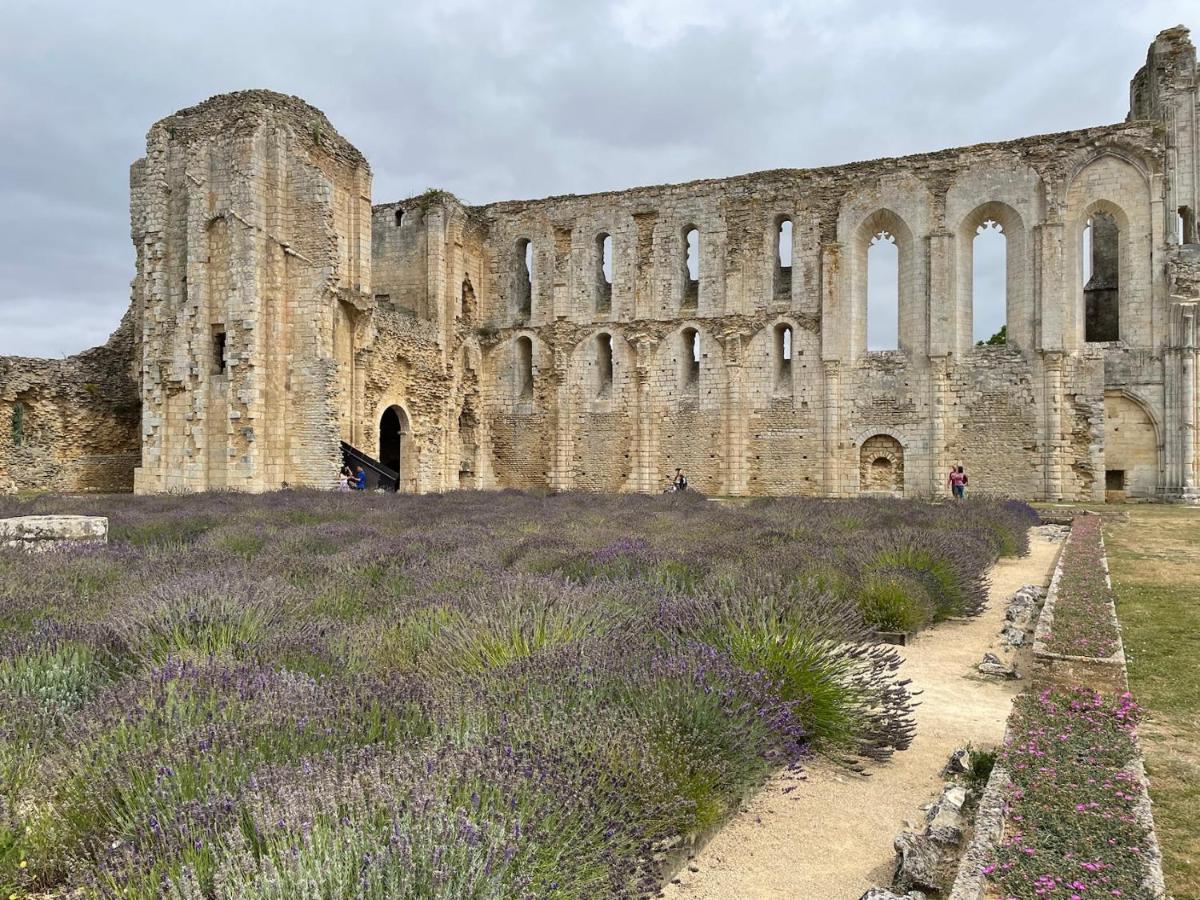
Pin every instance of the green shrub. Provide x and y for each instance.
(894, 601)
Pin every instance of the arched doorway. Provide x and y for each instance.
(393, 431)
(1130, 449)
(881, 466)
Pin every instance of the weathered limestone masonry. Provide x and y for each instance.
(71, 424)
(568, 343)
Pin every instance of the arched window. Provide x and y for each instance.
(783, 359)
(399, 216)
(523, 380)
(783, 259)
(691, 267)
(524, 277)
(689, 351)
(604, 282)
(1101, 278)
(989, 284)
(468, 301)
(883, 292)
(604, 365)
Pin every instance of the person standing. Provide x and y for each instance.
(360, 479)
(680, 481)
(956, 481)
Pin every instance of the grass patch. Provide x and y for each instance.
(1154, 560)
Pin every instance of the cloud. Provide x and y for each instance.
(514, 100)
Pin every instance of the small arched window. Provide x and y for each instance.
(604, 365)
(783, 359)
(783, 259)
(399, 216)
(690, 360)
(604, 281)
(691, 267)
(524, 277)
(1187, 225)
(524, 367)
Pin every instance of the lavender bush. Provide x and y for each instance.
(466, 695)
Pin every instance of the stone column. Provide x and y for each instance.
(643, 479)
(832, 475)
(1052, 390)
(1190, 490)
(560, 476)
(939, 383)
(735, 418)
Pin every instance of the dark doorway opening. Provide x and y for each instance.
(393, 426)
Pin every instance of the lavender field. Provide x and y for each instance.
(463, 696)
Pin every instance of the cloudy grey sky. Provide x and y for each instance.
(520, 98)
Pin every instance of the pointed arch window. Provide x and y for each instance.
(883, 292)
(1101, 278)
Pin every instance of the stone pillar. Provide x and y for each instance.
(735, 417)
(939, 383)
(643, 479)
(1054, 300)
(1189, 489)
(1052, 397)
(560, 475)
(947, 317)
(831, 437)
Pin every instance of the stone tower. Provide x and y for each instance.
(251, 217)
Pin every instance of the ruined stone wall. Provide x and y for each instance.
(251, 219)
(1026, 428)
(71, 424)
(275, 312)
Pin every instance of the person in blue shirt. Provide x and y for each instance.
(360, 479)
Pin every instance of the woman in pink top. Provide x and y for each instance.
(957, 480)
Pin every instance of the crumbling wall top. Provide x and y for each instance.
(246, 110)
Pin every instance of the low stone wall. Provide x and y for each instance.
(50, 532)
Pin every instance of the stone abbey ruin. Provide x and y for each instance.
(597, 342)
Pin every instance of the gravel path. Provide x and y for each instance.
(830, 837)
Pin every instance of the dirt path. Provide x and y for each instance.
(830, 838)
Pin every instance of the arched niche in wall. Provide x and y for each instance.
(881, 465)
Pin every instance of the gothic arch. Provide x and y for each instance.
(1115, 184)
(1018, 282)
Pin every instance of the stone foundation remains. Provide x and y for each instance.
(597, 342)
(50, 532)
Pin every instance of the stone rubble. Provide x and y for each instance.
(995, 666)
